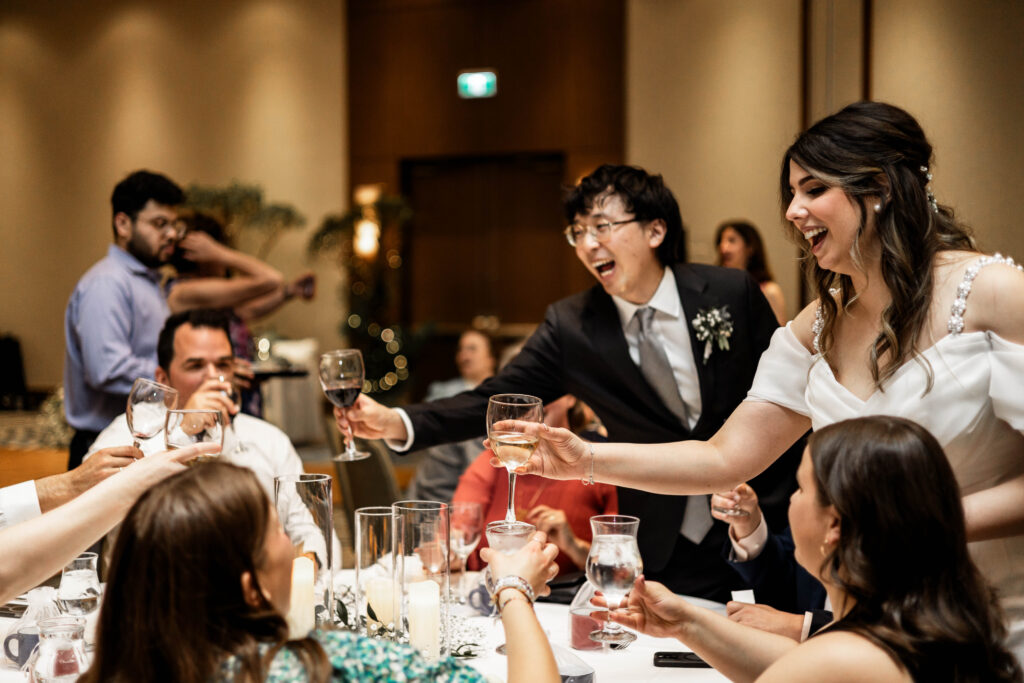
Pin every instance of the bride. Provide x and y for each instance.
(910, 320)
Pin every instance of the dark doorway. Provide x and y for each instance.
(485, 240)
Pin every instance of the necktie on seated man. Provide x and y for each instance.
(657, 371)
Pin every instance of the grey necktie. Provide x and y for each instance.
(656, 370)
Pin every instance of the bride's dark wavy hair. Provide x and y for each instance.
(876, 150)
(902, 552)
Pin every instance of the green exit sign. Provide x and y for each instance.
(477, 84)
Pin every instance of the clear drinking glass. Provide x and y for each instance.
(421, 549)
(187, 427)
(467, 525)
(341, 377)
(148, 403)
(512, 448)
(235, 396)
(79, 592)
(375, 570)
(612, 566)
(506, 538)
(306, 508)
(61, 654)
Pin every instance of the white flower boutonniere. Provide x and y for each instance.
(713, 326)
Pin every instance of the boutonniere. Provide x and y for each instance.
(713, 326)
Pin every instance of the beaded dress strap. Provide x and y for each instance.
(817, 327)
(956, 312)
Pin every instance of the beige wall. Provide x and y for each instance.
(713, 100)
(957, 67)
(206, 92)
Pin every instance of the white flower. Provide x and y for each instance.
(713, 326)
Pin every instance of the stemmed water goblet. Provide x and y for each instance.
(146, 412)
(467, 521)
(341, 377)
(188, 427)
(506, 538)
(78, 594)
(513, 448)
(613, 565)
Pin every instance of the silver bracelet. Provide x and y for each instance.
(516, 582)
(591, 481)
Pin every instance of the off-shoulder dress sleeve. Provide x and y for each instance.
(1007, 372)
(782, 373)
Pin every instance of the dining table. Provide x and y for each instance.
(634, 663)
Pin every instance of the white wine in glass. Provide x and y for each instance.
(341, 378)
(512, 448)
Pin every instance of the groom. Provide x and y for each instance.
(630, 348)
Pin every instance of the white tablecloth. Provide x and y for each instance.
(623, 666)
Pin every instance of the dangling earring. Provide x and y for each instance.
(821, 549)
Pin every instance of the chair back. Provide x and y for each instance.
(365, 482)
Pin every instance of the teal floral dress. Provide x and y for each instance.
(357, 658)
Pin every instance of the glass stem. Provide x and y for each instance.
(510, 514)
(351, 447)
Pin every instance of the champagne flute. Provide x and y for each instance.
(148, 403)
(506, 538)
(187, 427)
(612, 566)
(341, 377)
(512, 448)
(467, 521)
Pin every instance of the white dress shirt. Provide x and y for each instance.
(18, 502)
(269, 454)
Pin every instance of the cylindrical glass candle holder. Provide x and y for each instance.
(421, 551)
(305, 508)
(375, 571)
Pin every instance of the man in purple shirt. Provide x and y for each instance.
(115, 314)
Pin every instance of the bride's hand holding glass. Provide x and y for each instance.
(560, 454)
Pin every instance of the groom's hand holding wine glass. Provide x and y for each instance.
(368, 419)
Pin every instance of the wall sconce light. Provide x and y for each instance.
(367, 237)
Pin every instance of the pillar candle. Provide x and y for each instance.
(300, 614)
(425, 618)
(380, 594)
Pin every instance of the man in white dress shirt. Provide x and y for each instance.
(195, 357)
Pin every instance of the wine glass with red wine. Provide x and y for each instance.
(341, 377)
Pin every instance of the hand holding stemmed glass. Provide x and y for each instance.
(235, 397)
(341, 377)
(612, 566)
(512, 448)
(148, 403)
(188, 427)
(506, 538)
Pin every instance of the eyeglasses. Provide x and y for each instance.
(600, 232)
(161, 224)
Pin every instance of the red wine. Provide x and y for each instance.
(343, 397)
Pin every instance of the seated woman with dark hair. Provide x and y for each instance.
(740, 246)
(877, 518)
(201, 577)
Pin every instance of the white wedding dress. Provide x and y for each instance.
(975, 409)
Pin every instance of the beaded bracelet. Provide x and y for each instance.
(511, 581)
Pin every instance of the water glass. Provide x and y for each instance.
(613, 565)
(375, 571)
(61, 654)
(188, 427)
(306, 509)
(421, 546)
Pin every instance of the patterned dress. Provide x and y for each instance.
(357, 658)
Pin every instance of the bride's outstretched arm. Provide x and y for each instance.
(750, 440)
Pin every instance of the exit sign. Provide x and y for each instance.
(477, 84)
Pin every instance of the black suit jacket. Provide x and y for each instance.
(580, 349)
(776, 577)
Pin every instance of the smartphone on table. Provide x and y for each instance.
(686, 660)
